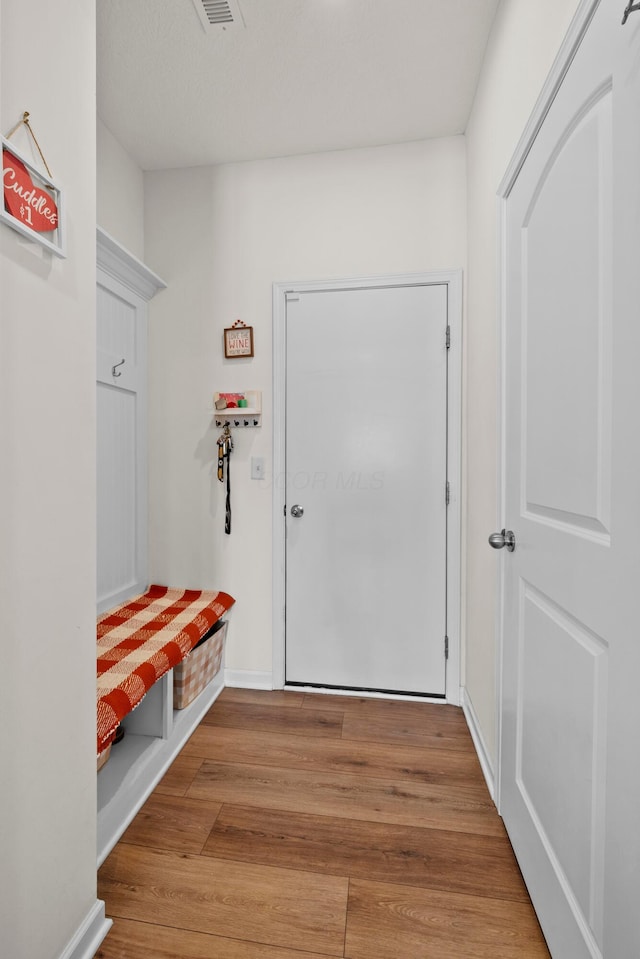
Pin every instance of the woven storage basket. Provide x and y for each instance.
(196, 671)
(104, 755)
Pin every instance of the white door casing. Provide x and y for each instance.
(445, 288)
(569, 607)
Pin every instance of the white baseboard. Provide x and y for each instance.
(248, 679)
(89, 935)
(479, 743)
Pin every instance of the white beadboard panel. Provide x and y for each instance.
(117, 328)
(124, 285)
(118, 505)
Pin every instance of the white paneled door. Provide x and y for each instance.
(571, 587)
(366, 474)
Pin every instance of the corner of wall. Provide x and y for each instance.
(120, 192)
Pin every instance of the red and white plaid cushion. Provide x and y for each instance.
(142, 639)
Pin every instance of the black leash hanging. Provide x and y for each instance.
(225, 445)
(227, 510)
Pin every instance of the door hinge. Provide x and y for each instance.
(446, 647)
(448, 338)
(447, 493)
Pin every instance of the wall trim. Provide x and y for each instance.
(479, 742)
(248, 678)
(574, 36)
(453, 280)
(89, 935)
(114, 259)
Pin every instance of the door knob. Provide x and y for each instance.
(297, 511)
(505, 538)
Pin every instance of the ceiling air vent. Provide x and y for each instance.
(219, 15)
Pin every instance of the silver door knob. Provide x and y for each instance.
(297, 511)
(505, 538)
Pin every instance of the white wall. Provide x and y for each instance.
(220, 237)
(120, 193)
(47, 497)
(523, 44)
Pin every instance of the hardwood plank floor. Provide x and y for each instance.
(294, 826)
(173, 823)
(379, 760)
(129, 938)
(349, 796)
(283, 907)
(478, 865)
(180, 776)
(442, 925)
(276, 719)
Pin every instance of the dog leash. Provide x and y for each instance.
(225, 446)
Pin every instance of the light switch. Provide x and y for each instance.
(257, 467)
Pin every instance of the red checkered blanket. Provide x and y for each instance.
(141, 640)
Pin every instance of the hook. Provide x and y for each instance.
(114, 368)
(630, 8)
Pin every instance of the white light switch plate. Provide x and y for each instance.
(257, 467)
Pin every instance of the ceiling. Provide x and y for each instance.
(298, 76)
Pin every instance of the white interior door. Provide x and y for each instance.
(571, 609)
(366, 461)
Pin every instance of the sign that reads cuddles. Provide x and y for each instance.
(32, 203)
(25, 200)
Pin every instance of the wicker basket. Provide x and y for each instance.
(198, 669)
(104, 755)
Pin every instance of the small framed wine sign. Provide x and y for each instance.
(238, 341)
(32, 204)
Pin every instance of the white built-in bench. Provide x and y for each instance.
(139, 643)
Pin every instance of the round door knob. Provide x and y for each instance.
(297, 511)
(504, 538)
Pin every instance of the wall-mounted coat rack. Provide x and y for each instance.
(241, 409)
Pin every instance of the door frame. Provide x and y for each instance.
(574, 36)
(453, 280)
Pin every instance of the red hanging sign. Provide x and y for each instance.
(23, 199)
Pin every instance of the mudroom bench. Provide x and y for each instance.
(139, 643)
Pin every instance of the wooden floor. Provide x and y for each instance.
(296, 826)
